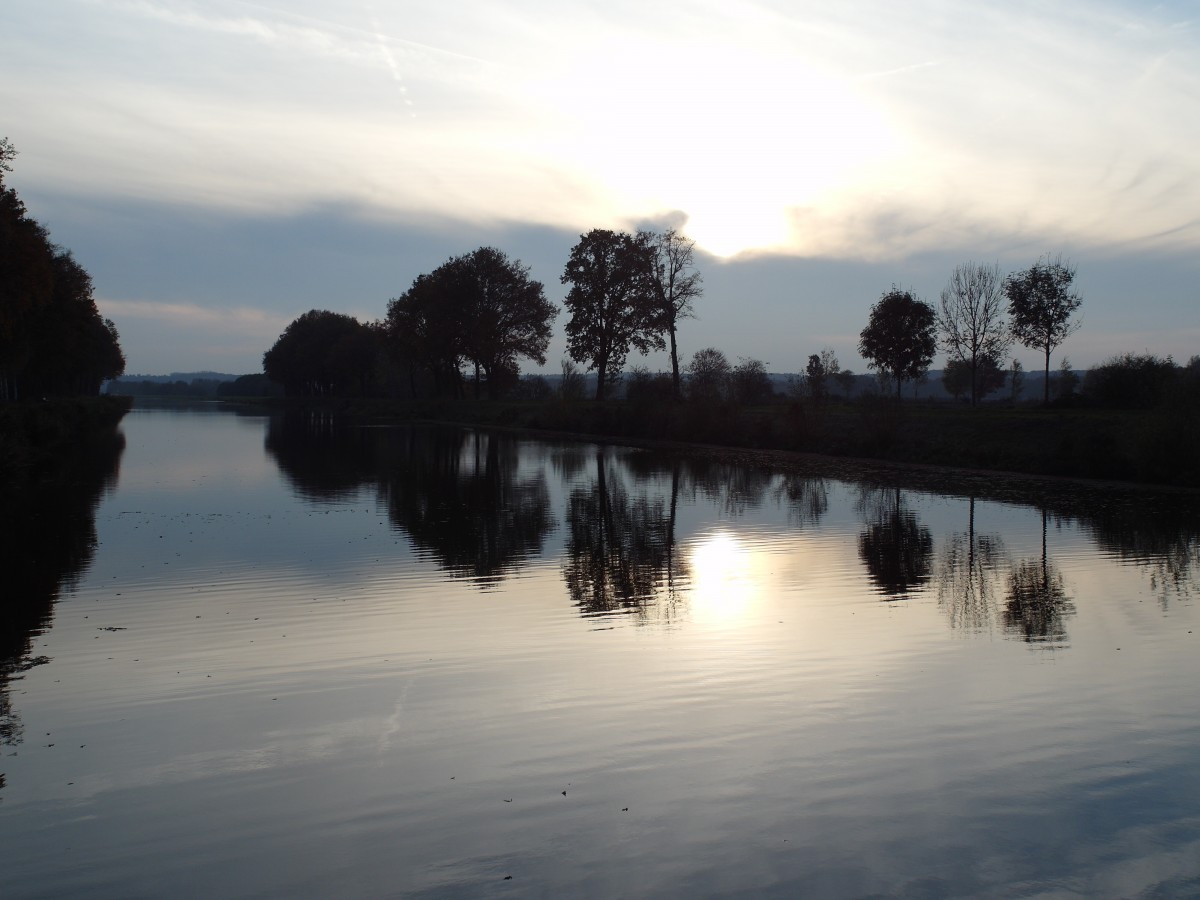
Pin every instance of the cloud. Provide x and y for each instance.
(815, 130)
(186, 315)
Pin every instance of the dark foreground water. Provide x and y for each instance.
(249, 657)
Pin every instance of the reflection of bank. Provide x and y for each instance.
(47, 541)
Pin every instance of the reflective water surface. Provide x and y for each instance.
(247, 656)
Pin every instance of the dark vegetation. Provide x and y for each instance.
(53, 341)
(55, 349)
(457, 335)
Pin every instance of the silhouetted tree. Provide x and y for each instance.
(822, 368)
(482, 307)
(676, 285)
(899, 338)
(53, 340)
(971, 320)
(612, 301)
(322, 354)
(750, 383)
(989, 377)
(1041, 303)
(708, 376)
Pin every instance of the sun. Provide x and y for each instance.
(735, 140)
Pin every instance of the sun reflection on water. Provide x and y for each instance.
(727, 579)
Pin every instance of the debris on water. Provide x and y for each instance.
(508, 878)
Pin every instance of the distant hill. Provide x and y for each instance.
(186, 377)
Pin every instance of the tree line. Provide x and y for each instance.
(470, 321)
(970, 324)
(465, 326)
(53, 340)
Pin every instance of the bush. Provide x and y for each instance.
(1130, 381)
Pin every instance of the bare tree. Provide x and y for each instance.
(676, 285)
(971, 319)
(1041, 303)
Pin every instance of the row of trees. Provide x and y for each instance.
(903, 332)
(53, 341)
(482, 312)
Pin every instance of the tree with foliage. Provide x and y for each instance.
(480, 308)
(505, 314)
(322, 354)
(750, 382)
(612, 301)
(988, 377)
(1016, 381)
(1041, 303)
(821, 369)
(53, 340)
(708, 376)
(676, 285)
(899, 338)
(425, 329)
(971, 320)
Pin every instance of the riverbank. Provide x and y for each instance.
(35, 436)
(1146, 447)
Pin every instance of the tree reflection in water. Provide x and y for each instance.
(461, 497)
(895, 547)
(1163, 542)
(621, 553)
(968, 575)
(1037, 603)
(806, 497)
(47, 540)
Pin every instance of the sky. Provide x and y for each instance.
(221, 167)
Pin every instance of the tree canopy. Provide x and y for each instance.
(323, 354)
(1041, 303)
(899, 337)
(612, 301)
(480, 308)
(53, 340)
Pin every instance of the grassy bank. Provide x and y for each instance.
(36, 435)
(1158, 446)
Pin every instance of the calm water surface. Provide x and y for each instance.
(260, 657)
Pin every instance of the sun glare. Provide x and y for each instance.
(726, 581)
(732, 139)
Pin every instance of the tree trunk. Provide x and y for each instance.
(675, 365)
(1046, 386)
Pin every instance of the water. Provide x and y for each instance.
(283, 657)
